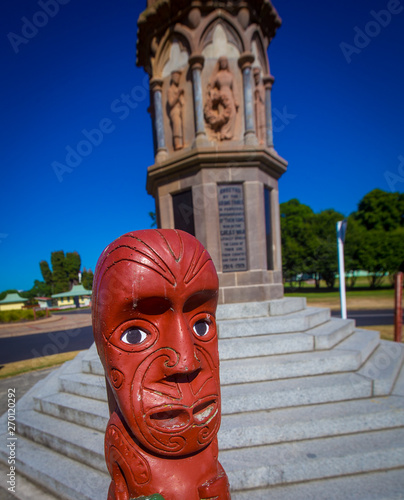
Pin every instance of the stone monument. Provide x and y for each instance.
(216, 171)
(155, 296)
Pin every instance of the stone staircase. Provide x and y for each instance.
(313, 408)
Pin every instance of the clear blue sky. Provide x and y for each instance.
(338, 123)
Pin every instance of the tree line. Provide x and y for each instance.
(374, 240)
(58, 277)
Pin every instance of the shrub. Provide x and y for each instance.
(20, 315)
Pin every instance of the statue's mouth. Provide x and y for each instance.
(175, 418)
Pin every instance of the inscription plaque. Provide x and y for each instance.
(232, 227)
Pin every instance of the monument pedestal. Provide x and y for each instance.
(228, 199)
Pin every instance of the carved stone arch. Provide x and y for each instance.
(257, 48)
(188, 35)
(229, 26)
(173, 41)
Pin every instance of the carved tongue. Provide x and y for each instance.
(204, 411)
(171, 419)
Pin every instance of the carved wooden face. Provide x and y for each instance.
(155, 298)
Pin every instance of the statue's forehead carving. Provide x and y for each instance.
(174, 255)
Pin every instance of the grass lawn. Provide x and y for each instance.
(28, 365)
(360, 298)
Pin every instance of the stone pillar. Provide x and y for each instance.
(196, 65)
(206, 214)
(276, 234)
(245, 63)
(268, 82)
(156, 87)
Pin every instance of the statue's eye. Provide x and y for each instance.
(134, 336)
(201, 328)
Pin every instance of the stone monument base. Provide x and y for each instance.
(250, 286)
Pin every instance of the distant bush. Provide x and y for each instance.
(20, 315)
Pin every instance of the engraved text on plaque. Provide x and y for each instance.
(232, 227)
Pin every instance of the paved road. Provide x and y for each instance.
(45, 344)
(369, 318)
(60, 333)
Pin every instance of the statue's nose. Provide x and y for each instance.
(182, 341)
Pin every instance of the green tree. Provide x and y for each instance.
(372, 256)
(354, 241)
(298, 239)
(40, 289)
(64, 273)
(394, 253)
(379, 227)
(72, 267)
(46, 273)
(381, 210)
(87, 279)
(59, 272)
(325, 263)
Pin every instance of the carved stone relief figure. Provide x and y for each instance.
(154, 303)
(222, 101)
(175, 104)
(259, 107)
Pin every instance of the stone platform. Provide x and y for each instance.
(313, 408)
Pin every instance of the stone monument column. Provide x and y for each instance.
(245, 63)
(156, 88)
(268, 82)
(216, 171)
(196, 65)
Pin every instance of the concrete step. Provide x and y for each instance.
(385, 485)
(91, 362)
(289, 323)
(71, 440)
(321, 337)
(348, 356)
(237, 431)
(239, 348)
(235, 398)
(259, 309)
(71, 408)
(384, 366)
(277, 464)
(93, 366)
(362, 342)
(83, 384)
(294, 392)
(66, 478)
(398, 389)
(264, 345)
(310, 422)
(327, 335)
(25, 489)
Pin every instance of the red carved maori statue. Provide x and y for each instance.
(154, 303)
